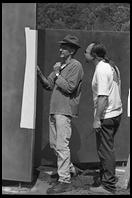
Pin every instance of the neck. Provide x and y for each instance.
(67, 60)
(97, 60)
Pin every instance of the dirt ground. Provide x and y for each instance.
(42, 181)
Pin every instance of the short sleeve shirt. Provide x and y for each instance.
(103, 83)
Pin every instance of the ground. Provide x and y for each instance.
(42, 181)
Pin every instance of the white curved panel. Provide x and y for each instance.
(128, 104)
(28, 110)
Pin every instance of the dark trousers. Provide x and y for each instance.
(105, 150)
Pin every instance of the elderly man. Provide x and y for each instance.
(65, 82)
(107, 115)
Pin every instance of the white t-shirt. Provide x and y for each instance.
(106, 82)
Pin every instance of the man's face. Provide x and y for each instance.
(87, 53)
(65, 51)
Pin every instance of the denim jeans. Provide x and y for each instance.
(106, 153)
(59, 137)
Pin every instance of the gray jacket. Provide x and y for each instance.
(66, 89)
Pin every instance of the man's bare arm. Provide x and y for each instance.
(101, 106)
(43, 79)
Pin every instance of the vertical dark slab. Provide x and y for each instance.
(17, 143)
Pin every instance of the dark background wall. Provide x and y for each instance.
(83, 147)
(17, 143)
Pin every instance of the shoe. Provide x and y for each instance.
(60, 187)
(99, 189)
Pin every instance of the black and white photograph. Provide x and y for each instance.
(66, 98)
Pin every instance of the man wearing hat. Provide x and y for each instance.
(65, 82)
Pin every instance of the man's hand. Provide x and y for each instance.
(38, 70)
(97, 125)
(57, 67)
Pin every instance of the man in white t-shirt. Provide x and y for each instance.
(107, 113)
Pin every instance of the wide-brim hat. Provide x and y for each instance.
(70, 39)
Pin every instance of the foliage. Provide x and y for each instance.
(84, 16)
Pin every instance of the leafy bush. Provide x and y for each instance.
(84, 16)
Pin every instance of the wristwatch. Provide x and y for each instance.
(57, 74)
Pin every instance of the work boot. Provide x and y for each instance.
(60, 187)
